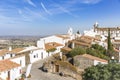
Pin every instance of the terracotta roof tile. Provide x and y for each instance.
(66, 49)
(63, 36)
(94, 58)
(5, 51)
(81, 43)
(7, 65)
(116, 40)
(116, 50)
(52, 45)
(16, 50)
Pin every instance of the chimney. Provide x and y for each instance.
(10, 48)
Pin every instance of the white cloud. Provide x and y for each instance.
(61, 8)
(35, 15)
(31, 3)
(66, 11)
(45, 9)
(89, 1)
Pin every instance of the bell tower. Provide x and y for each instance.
(70, 31)
(95, 25)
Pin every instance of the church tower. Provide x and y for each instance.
(96, 25)
(70, 31)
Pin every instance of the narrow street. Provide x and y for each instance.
(37, 74)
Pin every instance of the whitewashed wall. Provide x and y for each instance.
(97, 62)
(15, 73)
(4, 75)
(42, 41)
(20, 60)
(7, 56)
(37, 55)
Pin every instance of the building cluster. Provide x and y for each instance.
(12, 61)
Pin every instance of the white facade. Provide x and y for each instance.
(6, 56)
(41, 43)
(9, 70)
(90, 33)
(96, 62)
(37, 55)
(19, 60)
(14, 73)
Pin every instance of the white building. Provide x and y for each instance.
(90, 33)
(34, 53)
(9, 70)
(61, 39)
(53, 44)
(5, 54)
(19, 60)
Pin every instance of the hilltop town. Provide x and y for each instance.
(59, 56)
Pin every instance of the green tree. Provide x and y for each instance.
(101, 49)
(98, 51)
(110, 50)
(103, 72)
(109, 41)
(77, 51)
(78, 32)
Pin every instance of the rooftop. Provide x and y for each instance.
(7, 65)
(63, 36)
(93, 57)
(5, 51)
(52, 45)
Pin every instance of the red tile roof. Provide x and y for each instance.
(5, 51)
(64, 36)
(94, 58)
(7, 65)
(66, 48)
(116, 50)
(81, 43)
(52, 45)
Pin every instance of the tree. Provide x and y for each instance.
(102, 72)
(109, 45)
(98, 51)
(109, 41)
(78, 32)
(101, 49)
(77, 51)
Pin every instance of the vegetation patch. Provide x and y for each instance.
(103, 72)
(51, 50)
(95, 50)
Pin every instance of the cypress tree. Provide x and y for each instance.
(108, 40)
(109, 44)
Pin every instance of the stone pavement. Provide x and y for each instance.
(37, 74)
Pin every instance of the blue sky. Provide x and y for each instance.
(46, 17)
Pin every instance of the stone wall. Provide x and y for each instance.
(82, 62)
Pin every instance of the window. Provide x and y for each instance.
(10, 55)
(42, 55)
(34, 56)
(37, 55)
(20, 71)
(2, 57)
(20, 62)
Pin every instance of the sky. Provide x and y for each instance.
(47, 17)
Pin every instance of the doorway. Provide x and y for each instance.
(56, 68)
(8, 75)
